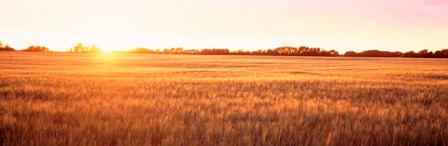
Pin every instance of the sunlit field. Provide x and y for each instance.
(123, 99)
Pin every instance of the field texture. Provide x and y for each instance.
(92, 99)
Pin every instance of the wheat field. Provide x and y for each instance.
(124, 99)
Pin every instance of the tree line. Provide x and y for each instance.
(295, 51)
(29, 49)
(78, 48)
(279, 51)
(420, 54)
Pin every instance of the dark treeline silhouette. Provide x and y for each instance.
(5, 47)
(373, 53)
(427, 54)
(81, 48)
(290, 51)
(280, 51)
(37, 49)
(295, 51)
(215, 52)
(421, 54)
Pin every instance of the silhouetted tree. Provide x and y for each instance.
(80, 48)
(441, 53)
(6, 47)
(333, 53)
(268, 52)
(192, 51)
(351, 54)
(37, 49)
(241, 52)
(214, 52)
(174, 51)
(409, 54)
(373, 53)
(427, 54)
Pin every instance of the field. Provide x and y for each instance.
(123, 99)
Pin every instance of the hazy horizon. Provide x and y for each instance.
(121, 25)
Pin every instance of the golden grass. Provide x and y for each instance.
(87, 99)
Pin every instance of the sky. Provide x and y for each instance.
(343, 25)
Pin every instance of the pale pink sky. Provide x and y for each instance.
(250, 24)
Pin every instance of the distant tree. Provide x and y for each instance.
(214, 51)
(192, 51)
(444, 53)
(177, 50)
(80, 48)
(142, 51)
(95, 49)
(350, 54)
(425, 53)
(5, 47)
(333, 53)
(409, 54)
(373, 53)
(286, 50)
(240, 52)
(370, 53)
(378, 53)
(397, 54)
(441, 53)
(37, 49)
(267, 52)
